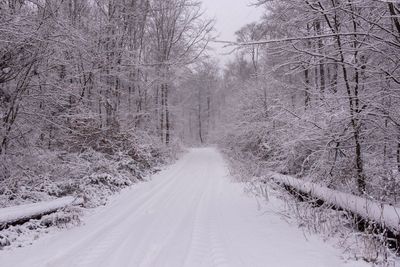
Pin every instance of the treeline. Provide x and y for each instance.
(315, 91)
(199, 102)
(79, 75)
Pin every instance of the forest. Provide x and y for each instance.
(319, 95)
(97, 94)
(89, 90)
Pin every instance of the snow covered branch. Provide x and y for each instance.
(300, 38)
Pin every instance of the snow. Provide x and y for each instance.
(386, 214)
(190, 214)
(13, 214)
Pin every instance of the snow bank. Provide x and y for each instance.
(386, 215)
(23, 213)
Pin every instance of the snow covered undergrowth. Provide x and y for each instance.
(43, 175)
(337, 227)
(25, 234)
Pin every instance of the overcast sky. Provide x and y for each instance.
(230, 16)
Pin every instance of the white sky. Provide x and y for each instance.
(230, 16)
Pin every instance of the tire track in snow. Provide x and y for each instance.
(199, 245)
(179, 197)
(206, 248)
(218, 254)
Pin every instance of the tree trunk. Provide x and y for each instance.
(162, 114)
(167, 123)
(321, 65)
(307, 88)
(199, 114)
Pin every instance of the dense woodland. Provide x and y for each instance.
(93, 90)
(314, 92)
(88, 81)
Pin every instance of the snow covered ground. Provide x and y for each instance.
(188, 215)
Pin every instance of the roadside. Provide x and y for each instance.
(337, 227)
(92, 176)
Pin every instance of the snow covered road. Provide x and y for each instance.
(188, 215)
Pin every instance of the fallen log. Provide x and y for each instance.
(385, 218)
(23, 213)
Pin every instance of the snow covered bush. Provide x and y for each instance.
(66, 217)
(55, 174)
